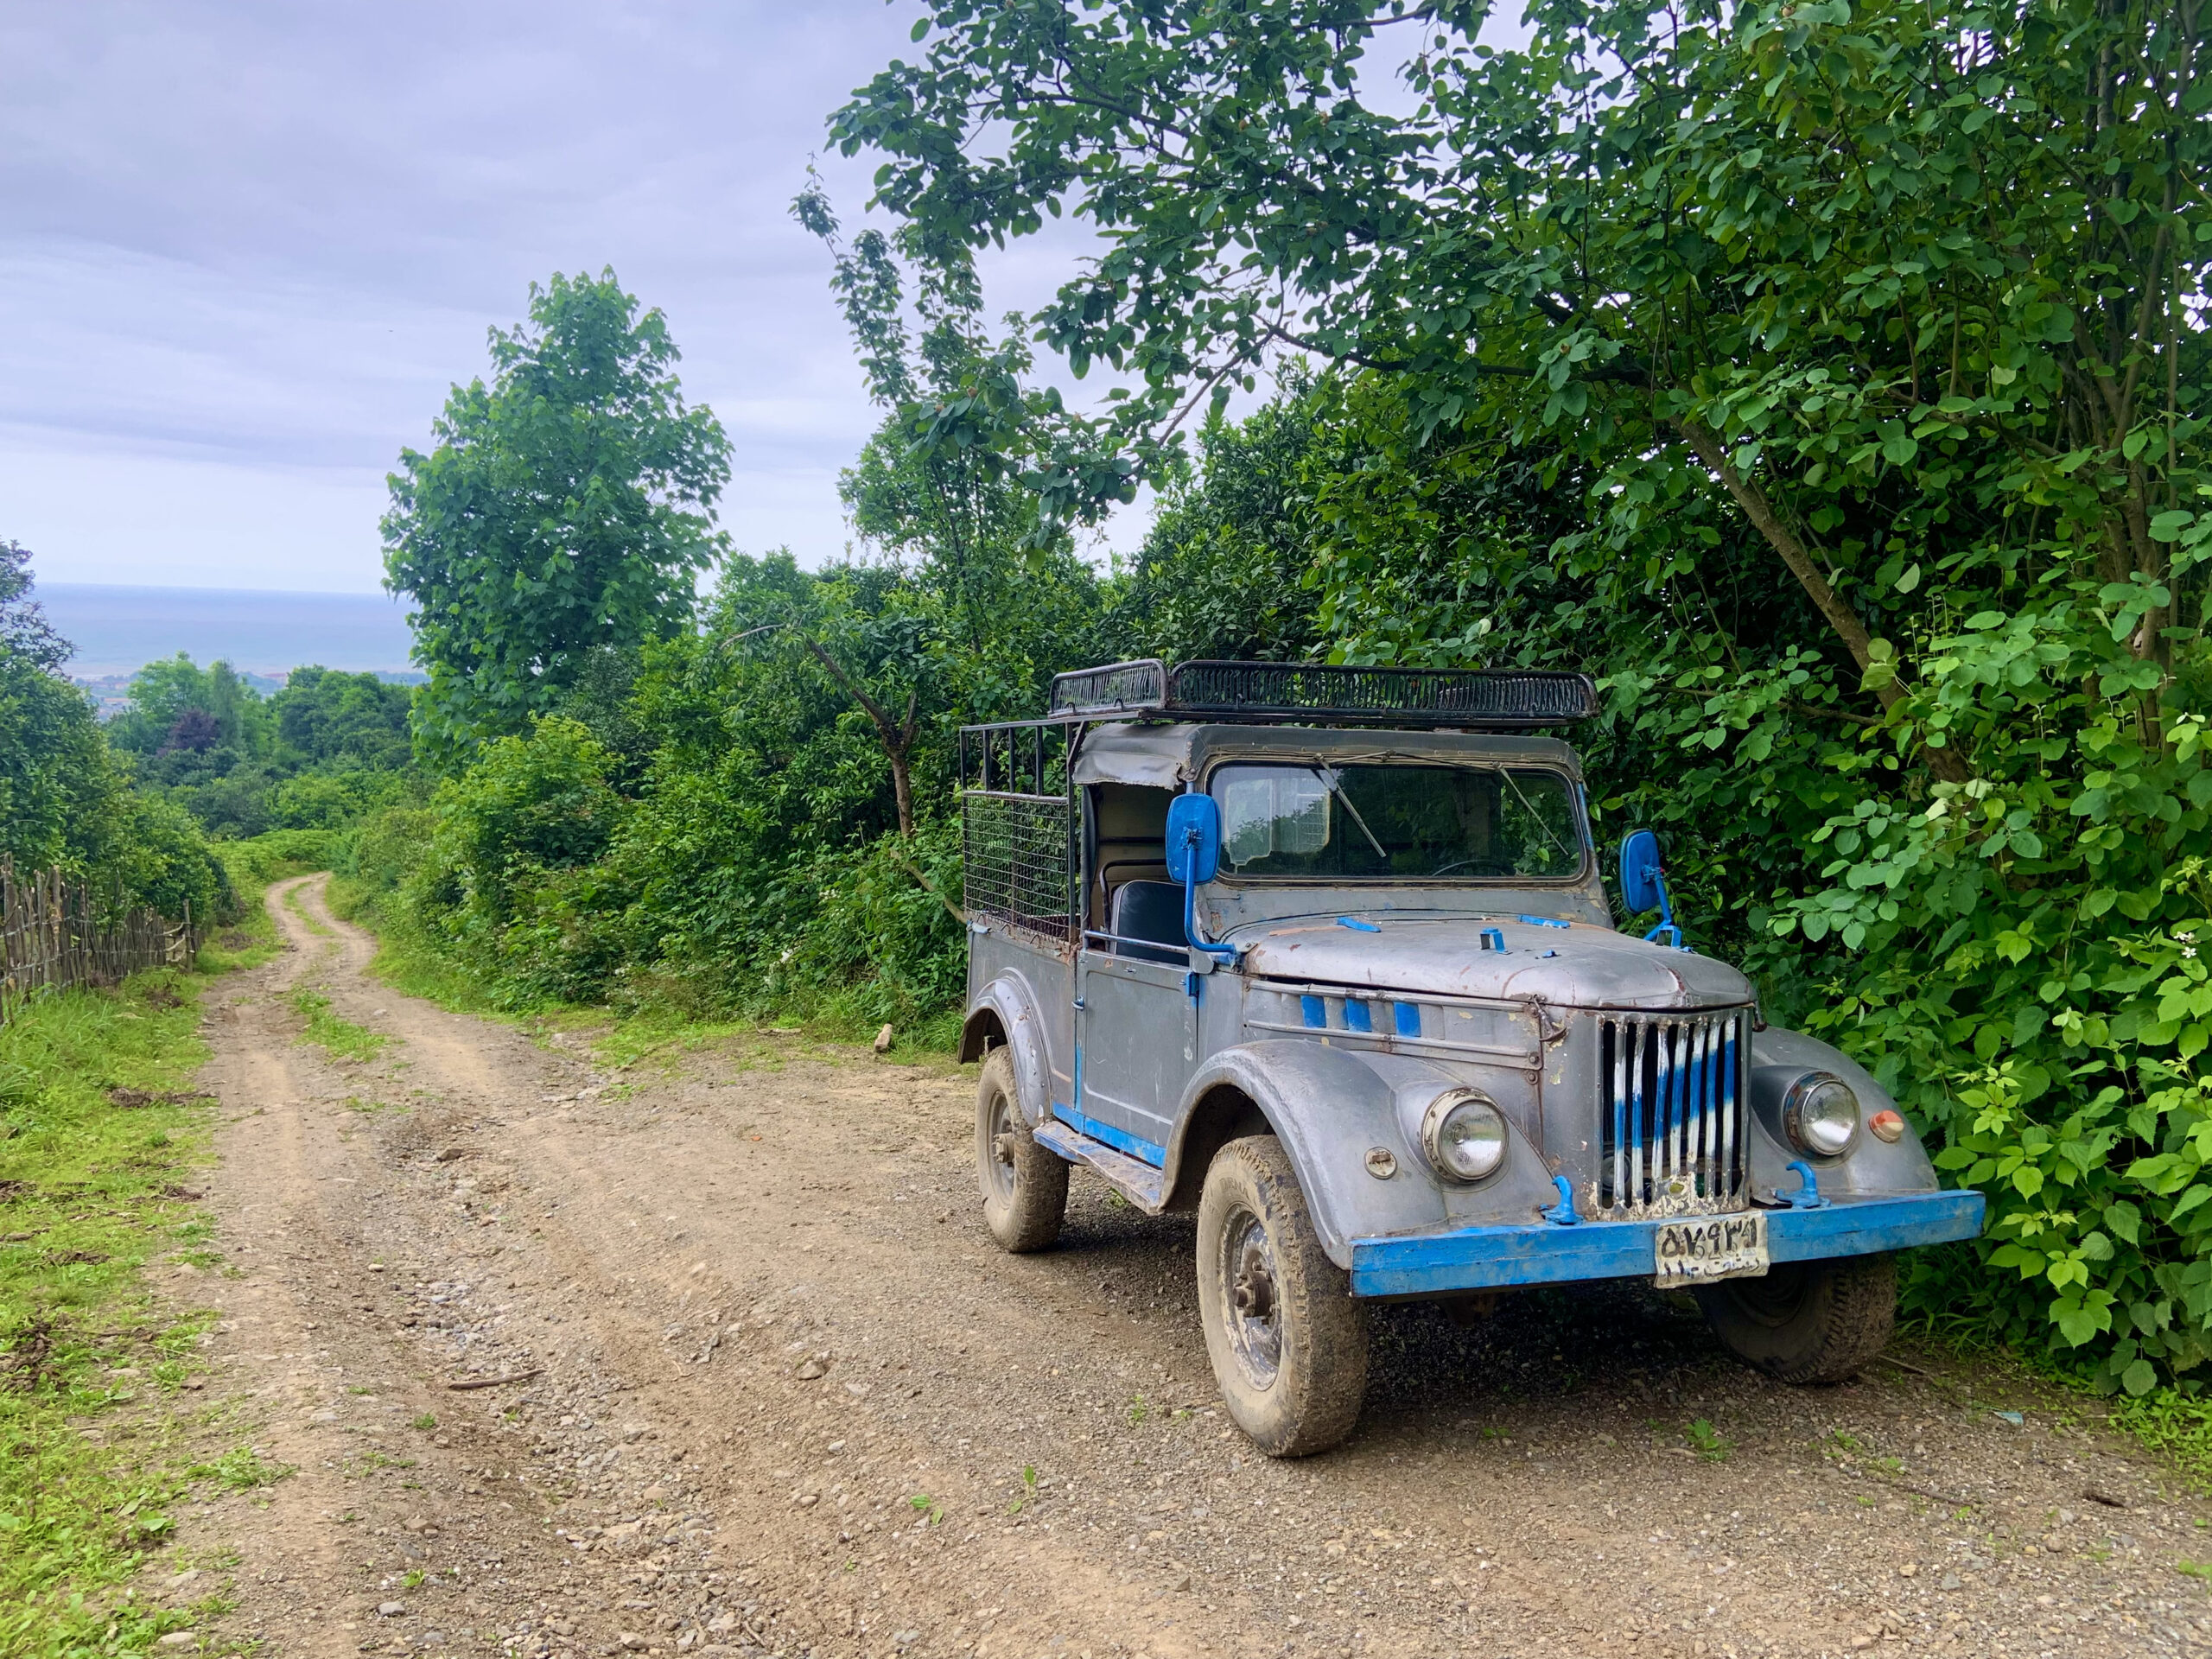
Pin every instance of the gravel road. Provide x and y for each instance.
(713, 1356)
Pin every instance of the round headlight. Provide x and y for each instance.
(1464, 1135)
(1821, 1114)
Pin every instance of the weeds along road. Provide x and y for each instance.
(769, 1387)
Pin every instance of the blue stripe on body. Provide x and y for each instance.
(1120, 1140)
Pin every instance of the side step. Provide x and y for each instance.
(1135, 1180)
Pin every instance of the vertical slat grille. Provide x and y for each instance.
(1671, 1130)
(1017, 852)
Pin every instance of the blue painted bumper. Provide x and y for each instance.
(1485, 1258)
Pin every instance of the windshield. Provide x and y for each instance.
(1398, 823)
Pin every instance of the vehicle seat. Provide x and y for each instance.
(1153, 911)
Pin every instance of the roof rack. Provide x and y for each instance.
(1493, 699)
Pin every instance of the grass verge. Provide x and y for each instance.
(415, 965)
(407, 961)
(100, 1134)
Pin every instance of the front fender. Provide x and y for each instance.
(1329, 1106)
(1009, 1000)
(1870, 1166)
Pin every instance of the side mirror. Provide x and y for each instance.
(1641, 887)
(1193, 839)
(1644, 887)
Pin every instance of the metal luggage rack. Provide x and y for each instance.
(1485, 699)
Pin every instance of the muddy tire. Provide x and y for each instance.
(1025, 1187)
(1807, 1322)
(1288, 1342)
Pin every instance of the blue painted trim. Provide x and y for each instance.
(1355, 1016)
(1540, 921)
(1481, 1258)
(1408, 1018)
(1314, 1012)
(1356, 925)
(1120, 1140)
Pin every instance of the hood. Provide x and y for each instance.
(1575, 966)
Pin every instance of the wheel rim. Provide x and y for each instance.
(1252, 1301)
(998, 1157)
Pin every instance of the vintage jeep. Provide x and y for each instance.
(1323, 954)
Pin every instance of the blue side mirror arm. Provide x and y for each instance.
(1666, 932)
(1222, 953)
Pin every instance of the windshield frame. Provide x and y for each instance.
(1576, 795)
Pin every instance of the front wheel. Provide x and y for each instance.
(1025, 1187)
(1288, 1342)
(1807, 1322)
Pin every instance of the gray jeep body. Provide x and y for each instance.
(1332, 1014)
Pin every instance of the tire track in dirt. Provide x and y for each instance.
(782, 1393)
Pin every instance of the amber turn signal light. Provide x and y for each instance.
(1886, 1126)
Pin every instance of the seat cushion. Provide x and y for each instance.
(1151, 911)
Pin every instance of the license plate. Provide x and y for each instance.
(1714, 1246)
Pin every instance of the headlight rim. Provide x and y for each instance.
(1793, 1115)
(1438, 1110)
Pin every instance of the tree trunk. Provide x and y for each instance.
(898, 739)
(1947, 764)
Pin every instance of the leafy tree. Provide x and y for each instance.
(567, 507)
(325, 717)
(190, 722)
(1778, 253)
(25, 636)
(65, 801)
(1226, 569)
(980, 616)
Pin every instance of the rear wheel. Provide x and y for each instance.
(1807, 1322)
(1288, 1342)
(1025, 1187)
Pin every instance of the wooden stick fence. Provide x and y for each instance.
(55, 932)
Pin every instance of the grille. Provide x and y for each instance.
(1017, 855)
(1673, 1129)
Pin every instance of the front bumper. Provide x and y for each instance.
(1489, 1258)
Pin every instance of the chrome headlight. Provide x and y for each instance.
(1822, 1115)
(1464, 1135)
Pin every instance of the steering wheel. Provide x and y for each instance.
(1490, 866)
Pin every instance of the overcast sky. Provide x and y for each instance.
(247, 246)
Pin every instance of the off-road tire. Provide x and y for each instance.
(1025, 1187)
(1308, 1399)
(1807, 1322)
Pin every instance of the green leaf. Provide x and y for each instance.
(2139, 1378)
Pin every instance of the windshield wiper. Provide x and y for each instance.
(1329, 780)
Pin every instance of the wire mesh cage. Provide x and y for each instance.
(1473, 696)
(1490, 698)
(1117, 688)
(1018, 851)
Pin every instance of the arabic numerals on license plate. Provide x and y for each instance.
(1713, 1247)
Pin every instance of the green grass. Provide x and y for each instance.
(315, 926)
(2176, 1424)
(406, 960)
(1708, 1441)
(94, 1191)
(342, 1039)
(662, 1032)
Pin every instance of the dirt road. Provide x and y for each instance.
(770, 1387)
